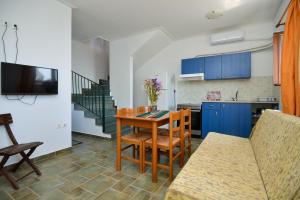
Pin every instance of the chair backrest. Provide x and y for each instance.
(143, 109)
(174, 126)
(6, 120)
(124, 111)
(276, 144)
(186, 118)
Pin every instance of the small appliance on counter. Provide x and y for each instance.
(213, 95)
(196, 117)
(267, 99)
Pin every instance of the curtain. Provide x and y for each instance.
(277, 51)
(290, 65)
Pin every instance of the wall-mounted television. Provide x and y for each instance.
(28, 80)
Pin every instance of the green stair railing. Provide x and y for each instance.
(92, 96)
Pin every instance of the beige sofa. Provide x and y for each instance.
(266, 166)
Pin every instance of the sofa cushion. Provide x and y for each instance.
(223, 167)
(276, 145)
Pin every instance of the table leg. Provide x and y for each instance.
(118, 159)
(154, 152)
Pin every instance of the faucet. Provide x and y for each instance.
(236, 96)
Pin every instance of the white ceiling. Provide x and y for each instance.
(113, 19)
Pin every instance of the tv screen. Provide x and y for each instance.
(28, 80)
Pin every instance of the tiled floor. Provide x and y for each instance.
(87, 172)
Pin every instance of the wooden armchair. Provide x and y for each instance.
(14, 149)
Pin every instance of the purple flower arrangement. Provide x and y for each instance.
(152, 88)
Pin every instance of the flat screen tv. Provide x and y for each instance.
(28, 80)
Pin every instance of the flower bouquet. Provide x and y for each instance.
(152, 88)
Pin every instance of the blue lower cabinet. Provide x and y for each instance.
(227, 118)
(230, 118)
(245, 120)
(211, 122)
(211, 115)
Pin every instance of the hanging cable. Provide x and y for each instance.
(18, 98)
(17, 41)
(30, 104)
(3, 42)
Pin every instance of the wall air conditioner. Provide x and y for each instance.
(227, 37)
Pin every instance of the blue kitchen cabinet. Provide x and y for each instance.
(211, 115)
(245, 68)
(230, 118)
(236, 65)
(213, 68)
(227, 118)
(245, 120)
(192, 66)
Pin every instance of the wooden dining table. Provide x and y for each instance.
(140, 122)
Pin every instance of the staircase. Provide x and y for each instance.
(95, 101)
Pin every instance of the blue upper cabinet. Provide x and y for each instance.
(245, 67)
(236, 65)
(227, 66)
(192, 66)
(213, 68)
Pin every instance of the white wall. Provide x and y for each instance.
(91, 59)
(44, 40)
(121, 67)
(169, 59)
(83, 124)
(282, 8)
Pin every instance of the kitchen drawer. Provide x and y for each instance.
(211, 105)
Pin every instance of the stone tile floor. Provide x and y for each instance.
(87, 172)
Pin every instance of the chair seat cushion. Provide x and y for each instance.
(163, 141)
(15, 149)
(136, 137)
(223, 167)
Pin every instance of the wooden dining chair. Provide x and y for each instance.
(168, 143)
(134, 140)
(186, 119)
(16, 148)
(144, 109)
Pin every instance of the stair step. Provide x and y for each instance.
(97, 97)
(89, 92)
(93, 113)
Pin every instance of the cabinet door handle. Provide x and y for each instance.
(216, 113)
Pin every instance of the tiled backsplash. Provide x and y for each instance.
(249, 89)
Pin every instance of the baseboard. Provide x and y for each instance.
(90, 135)
(44, 157)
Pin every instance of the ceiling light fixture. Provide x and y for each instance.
(212, 15)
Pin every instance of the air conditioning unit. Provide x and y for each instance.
(227, 37)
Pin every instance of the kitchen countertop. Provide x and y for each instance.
(242, 101)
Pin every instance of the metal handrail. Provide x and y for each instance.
(91, 99)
